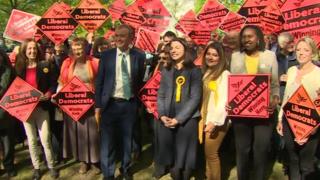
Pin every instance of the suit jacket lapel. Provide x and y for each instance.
(186, 74)
(261, 61)
(112, 61)
(133, 67)
(242, 61)
(170, 87)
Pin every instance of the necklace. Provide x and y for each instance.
(31, 63)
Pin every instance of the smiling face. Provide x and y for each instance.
(123, 38)
(212, 57)
(31, 50)
(304, 52)
(78, 50)
(249, 40)
(177, 51)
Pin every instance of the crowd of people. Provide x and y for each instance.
(191, 101)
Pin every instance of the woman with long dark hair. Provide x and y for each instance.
(42, 76)
(7, 123)
(254, 133)
(301, 152)
(179, 98)
(214, 99)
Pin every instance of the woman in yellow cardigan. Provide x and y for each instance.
(215, 82)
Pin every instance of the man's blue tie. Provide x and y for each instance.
(125, 78)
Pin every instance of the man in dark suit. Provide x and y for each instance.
(118, 82)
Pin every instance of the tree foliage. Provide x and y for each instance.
(176, 7)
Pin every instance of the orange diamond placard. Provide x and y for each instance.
(156, 14)
(133, 16)
(90, 14)
(116, 9)
(187, 22)
(251, 9)
(271, 19)
(57, 24)
(301, 114)
(248, 95)
(302, 19)
(232, 22)
(149, 93)
(147, 40)
(75, 98)
(21, 25)
(200, 34)
(20, 99)
(212, 14)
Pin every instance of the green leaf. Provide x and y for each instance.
(198, 5)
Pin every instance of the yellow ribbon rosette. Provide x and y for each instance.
(213, 86)
(179, 81)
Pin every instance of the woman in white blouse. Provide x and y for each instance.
(301, 152)
(215, 82)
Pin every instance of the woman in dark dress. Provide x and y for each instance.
(7, 123)
(179, 97)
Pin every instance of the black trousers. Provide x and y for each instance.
(301, 158)
(252, 135)
(117, 125)
(7, 140)
(56, 128)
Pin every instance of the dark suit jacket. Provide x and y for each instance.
(105, 79)
(46, 76)
(6, 77)
(190, 95)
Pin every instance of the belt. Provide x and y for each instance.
(116, 99)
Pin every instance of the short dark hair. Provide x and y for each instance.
(4, 60)
(79, 41)
(170, 34)
(127, 26)
(261, 45)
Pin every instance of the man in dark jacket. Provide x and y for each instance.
(7, 123)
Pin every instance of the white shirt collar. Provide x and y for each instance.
(120, 53)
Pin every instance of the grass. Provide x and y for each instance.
(142, 169)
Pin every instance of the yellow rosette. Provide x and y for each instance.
(45, 70)
(179, 81)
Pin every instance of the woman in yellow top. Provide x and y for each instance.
(301, 152)
(254, 133)
(215, 83)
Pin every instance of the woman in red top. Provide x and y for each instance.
(42, 76)
(81, 139)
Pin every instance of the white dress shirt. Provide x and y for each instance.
(118, 85)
